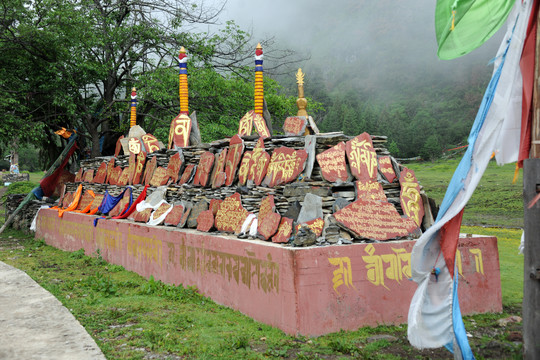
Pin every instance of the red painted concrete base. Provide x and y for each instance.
(308, 291)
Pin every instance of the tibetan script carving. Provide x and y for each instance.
(285, 166)
(179, 131)
(295, 126)
(332, 163)
(386, 168)
(231, 215)
(245, 126)
(284, 230)
(362, 157)
(410, 198)
(369, 190)
(236, 148)
(206, 162)
(150, 143)
(101, 174)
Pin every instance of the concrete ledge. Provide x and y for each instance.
(308, 291)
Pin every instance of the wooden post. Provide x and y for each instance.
(531, 222)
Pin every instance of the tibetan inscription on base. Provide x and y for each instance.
(373, 219)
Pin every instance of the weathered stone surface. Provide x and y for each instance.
(195, 212)
(300, 190)
(174, 166)
(141, 216)
(131, 167)
(411, 201)
(268, 225)
(150, 143)
(285, 166)
(204, 169)
(316, 225)
(311, 208)
(218, 174)
(369, 190)
(386, 168)
(236, 148)
(110, 168)
(205, 221)
(174, 216)
(260, 126)
(187, 176)
(149, 171)
(88, 176)
(304, 236)
(375, 220)
(362, 157)
(179, 131)
(231, 214)
(139, 166)
(214, 205)
(115, 175)
(339, 204)
(295, 126)
(118, 146)
(293, 210)
(333, 165)
(284, 231)
(309, 147)
(160, 177)
(187, 211)
(101, 174)
(245, 127)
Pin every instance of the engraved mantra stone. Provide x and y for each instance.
(386, 168)
(284, 231)
(245, 127)
(332, 163)
(139, 166)
(362, 157)
(187, 175)
(295, 126)
(179, 131)
(101, 174)
(411, 201)
(231, 215)
(150, 143)
(371, 190)
(206, 162)
(174, 216)
(285, 166)
(316, 225)
(205, 221)
(236, 148)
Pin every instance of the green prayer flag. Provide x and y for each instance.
(463, 25)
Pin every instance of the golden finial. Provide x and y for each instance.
(182, 50)
(300, 77)
(259, 46)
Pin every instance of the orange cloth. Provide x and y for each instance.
(73, 204)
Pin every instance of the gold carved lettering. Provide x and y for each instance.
(342, 275)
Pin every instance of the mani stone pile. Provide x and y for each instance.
(298, 190)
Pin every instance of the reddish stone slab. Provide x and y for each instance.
(214, 205)
(284, 230)
(260, 126)
(218, 174)
(139, 166)
(64, 178)
(132, 165)
(234, 154)
(204, 169)
(115, 175)
(369, 190)
(86, 200)
(267, 207)
(142, 216)
(268, 226)
(150, 143)
(332, 163)
(243, 170)
(362, 157)
(123, 178)
(316, 225)
(183, 220)
(285, 166)
(375, 220)
(254, 165)
(162, 209)
(96, 203)
(118, 146)
(149, 171)
(179, 131)
(79, 175)
(231, 215)
(110, 168)
(160, 177)
(121, 206)
(135, 146)
(386, 168)
(245, 127)
(188, 174)
(205, 221)
(411, 201)
(173, 168)
(67, 199)
(174, 216)
(295, 126)
(88, 176)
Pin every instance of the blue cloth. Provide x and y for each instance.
(109, 201)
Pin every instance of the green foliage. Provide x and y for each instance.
(20, 187)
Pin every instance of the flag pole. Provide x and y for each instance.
(531, 222)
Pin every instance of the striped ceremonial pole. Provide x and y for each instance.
(259, 89)
(183, 82)
(133, 116)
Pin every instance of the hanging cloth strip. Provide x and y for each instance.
(133, 206)
(87, 208)
(73, 204)
(109, 201)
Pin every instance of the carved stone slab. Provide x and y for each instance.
(121, 205)
(123, 178)
(131, 167)
(188, 174)
(194, 214)
(284, 230)
(204, 169)
(173, 218)
(173, 168)
(231, 215)
(101, 174)
(333, 165)
(369, 190)
(254, 164)
(260, 126)
(386, 168)
(183, 220)
(118, 146)
(150, 143)
(362, 157)
(218, 174)
(214, 205)
(110, 168)
(375, 220)
(160, 177)
(149, 171)
(236, 148)
(115, 175)
(141, 216)
(135, 145)
(88, 176)
(162, 209)
(179, 131)
(267, 207)
(79, 175)
(285, 166)
(96, 202)
(295, 126)
(411, 201)
(67, 199)
(86, 199)
(316, 225)
(245, 127)
(139, 166)
(268, 226)
(205, 221)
